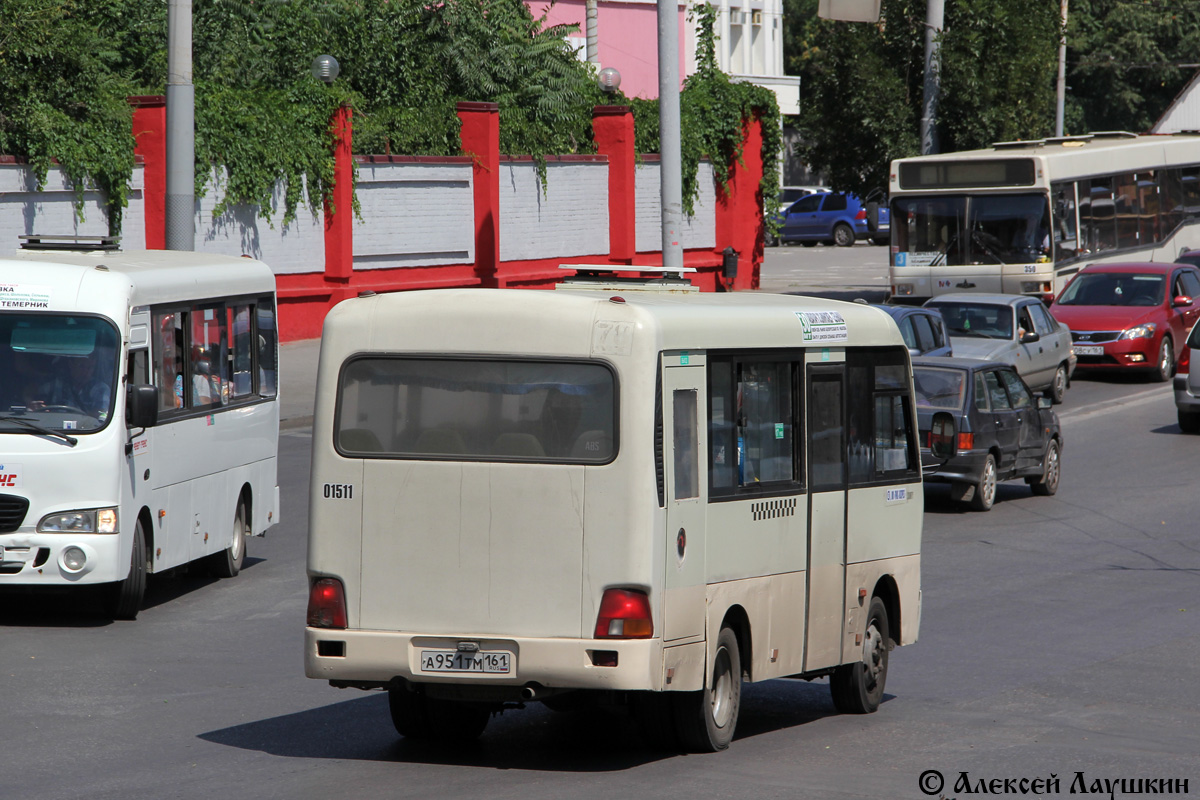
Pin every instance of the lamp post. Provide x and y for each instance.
(325, 68)
(609, 79)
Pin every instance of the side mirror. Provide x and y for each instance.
(141, 406)
(1044, 403)
(943, 436)
(1181, 301)
(1030, 337)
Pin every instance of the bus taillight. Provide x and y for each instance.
(624, 614)
(327, 604)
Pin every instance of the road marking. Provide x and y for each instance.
(1108, 406)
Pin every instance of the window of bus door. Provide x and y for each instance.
(1065, 221)
(752, 432)
(686, 444)
(880, 439)
(169, 341)
(928, 230)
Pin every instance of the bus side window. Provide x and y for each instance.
(241, 349)
(137, 369)
(266, 354)
(208, 368)
(1065, 243)
(685, 444)
(167, 343)
(881, 442)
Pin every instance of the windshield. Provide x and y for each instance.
(939, 388)
(980, 320)
(957, 230)
(59, 372)
(1114, 289)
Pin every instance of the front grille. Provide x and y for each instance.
(1094, 337)
(12, 512)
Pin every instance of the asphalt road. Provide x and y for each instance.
(1059, 635)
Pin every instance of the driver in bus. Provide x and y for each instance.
(81, 385)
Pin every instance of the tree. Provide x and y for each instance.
(862, 84)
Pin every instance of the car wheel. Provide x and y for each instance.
(1047, 484)
(809, 244)
(858, 688)
(1189, 421)
(843, 235)
(1166, 361)
(1058, 389)
(706, 720)
(126, 595)
(985, 489)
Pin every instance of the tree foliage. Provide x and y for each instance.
(863, 84)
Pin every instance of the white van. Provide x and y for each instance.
(138, 416)
(638, 490)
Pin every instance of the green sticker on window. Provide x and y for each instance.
(683, 358)
(778, 430)
(824, 353)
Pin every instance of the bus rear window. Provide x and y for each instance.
(477, 410)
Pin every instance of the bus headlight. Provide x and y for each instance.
(1140, 332)
(92, 520)
(73, 559)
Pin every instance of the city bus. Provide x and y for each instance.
(1023, 217)
(610, 493)
(139, 419)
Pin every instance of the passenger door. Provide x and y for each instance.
(1055, 338)
(1030, 442)
(826, 516)
(1005, 425)
(1039, 368)
(801, 219)
(685, 438)
(1186, 284)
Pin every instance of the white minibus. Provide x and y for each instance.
(138, 416)
(1024, 217)
(630, 491)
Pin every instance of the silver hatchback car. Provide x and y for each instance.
(1187, 384)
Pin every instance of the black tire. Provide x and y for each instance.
(880, 242)
(858, 688)
(985, 490)
(1189, 421)
(1047, 483)
(125, 598)
(843, 235)
(809, 244)
(1166, 361)
(228, 563)
(1058, 389)
(705, 721)
(416, 716)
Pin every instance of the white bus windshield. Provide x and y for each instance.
(957, 230)
(477, 410)
(59, 372)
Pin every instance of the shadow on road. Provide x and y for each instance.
(937, 497)
(533, 738)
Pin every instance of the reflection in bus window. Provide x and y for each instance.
(167, 347)
(240, 346)
(266, 349)
(207, 366)
(1065, 236)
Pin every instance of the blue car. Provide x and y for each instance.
(832, 217)
(923, 329)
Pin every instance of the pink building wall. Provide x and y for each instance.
(628, 39)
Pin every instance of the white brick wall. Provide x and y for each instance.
(24, 210)
(414, 215)
(569, 219)
(698, 231)
(293, 248)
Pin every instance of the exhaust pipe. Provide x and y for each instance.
(530, 691)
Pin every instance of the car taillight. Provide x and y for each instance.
(327, 604)
(862, 214)
(1185, 361)
(966, 441)
(624, 614)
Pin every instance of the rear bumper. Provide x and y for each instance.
(965, 467)
(381, 656)
(1185, 399)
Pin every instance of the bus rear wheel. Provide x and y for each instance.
(858, 688)
(125, 598)
(706, 720)
(228, 563)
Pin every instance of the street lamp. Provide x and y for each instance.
(325, 68)
(609, 79)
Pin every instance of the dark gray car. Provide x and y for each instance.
(1004, 431)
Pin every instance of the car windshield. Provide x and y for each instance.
(980, 320)
(958, 230)
(59, 372)
(1114, 289)
(937, 387)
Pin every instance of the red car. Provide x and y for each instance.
(1130, 316)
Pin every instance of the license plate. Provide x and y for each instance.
(485, 661)
(1089, 349)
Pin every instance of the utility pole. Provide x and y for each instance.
(934, 12)
(181, 129)
(1062, 74)
(671, 170)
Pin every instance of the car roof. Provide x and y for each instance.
(980, 298)
(1137, 267)
(957, 362)
(899, 311)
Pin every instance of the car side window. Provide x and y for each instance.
(806, 205)
(1024, 321)
(1044, 323)
(1016, 389)
(908, 334)
(925, 336)
(939, 330)
(996, 393)
(834, 202)
(981, 393)
(1190, 284)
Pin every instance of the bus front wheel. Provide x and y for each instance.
(858, 688)
(125, 600)
(228, 562)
